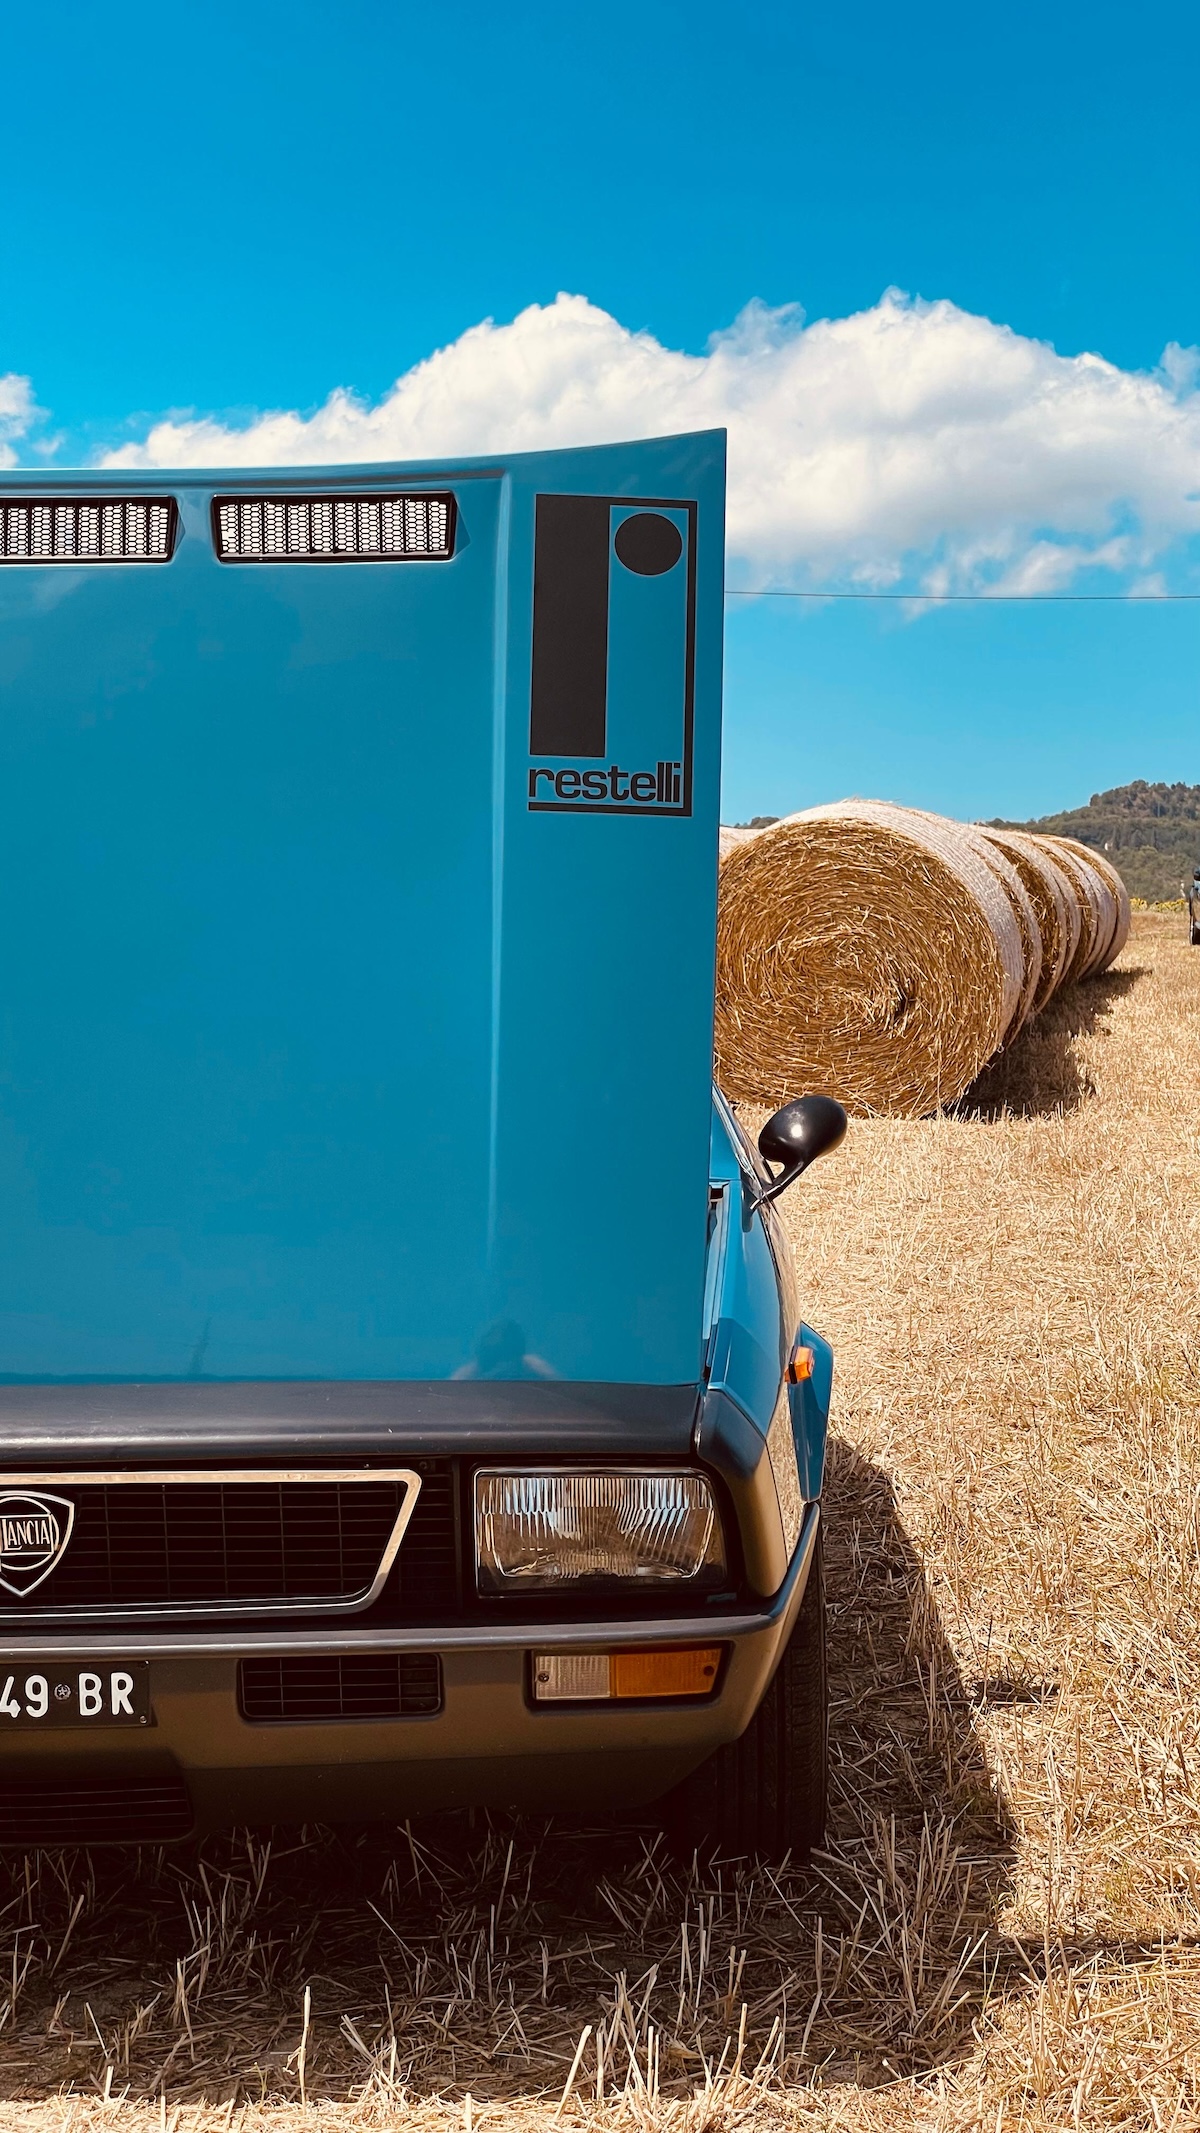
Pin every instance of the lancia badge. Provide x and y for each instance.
(34, 1531)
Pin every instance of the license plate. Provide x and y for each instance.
(75, 1695)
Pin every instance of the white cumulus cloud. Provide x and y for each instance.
(19, 412)
(912, 443)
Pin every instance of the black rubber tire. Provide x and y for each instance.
(766, 1795)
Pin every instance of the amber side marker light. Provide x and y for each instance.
(613, 1677)
(800, 1364)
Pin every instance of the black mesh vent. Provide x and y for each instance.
(95, 529)
(355, 1685)
(50, 1809)
(333, 529)
(206, 1543)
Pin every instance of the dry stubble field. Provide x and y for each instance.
(1005, 1930)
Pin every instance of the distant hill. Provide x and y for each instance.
(1151, 833)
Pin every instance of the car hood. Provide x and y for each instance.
(347, 1035)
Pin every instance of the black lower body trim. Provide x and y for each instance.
(45, 1809)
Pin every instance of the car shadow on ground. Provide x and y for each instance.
(1042, 1070)
(471, 1953)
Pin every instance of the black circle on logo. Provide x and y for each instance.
(649, 544)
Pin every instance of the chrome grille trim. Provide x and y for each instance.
(19, 1617)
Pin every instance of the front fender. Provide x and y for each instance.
(810, 1412)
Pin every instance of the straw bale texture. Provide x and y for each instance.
(1092, 899)
(1112, 882)
(1055, 906)
(962, 858)
(1097, 906)
(867, 950)
(1124, 909)
(1023, 910)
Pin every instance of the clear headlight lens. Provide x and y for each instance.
(597, 1528)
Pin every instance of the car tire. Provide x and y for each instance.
(766, 1794)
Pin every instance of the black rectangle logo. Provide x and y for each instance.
(569, 704)
(613, 655)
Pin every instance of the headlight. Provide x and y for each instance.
(600, 1528)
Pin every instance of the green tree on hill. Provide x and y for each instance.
(1151, 833)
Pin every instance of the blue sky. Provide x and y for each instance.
(212, 212)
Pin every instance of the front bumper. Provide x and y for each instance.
(487, 1746)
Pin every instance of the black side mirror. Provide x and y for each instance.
(795, 1136)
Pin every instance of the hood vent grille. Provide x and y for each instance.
(97, 529)
(333, 529)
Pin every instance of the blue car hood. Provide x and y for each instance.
(357, 942)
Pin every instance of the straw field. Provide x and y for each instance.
(1005, 1929)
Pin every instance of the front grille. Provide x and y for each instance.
(333, 529)
(48, 1810)
(424, 1585)
(358, 1685)
(155, 1545)
(88, 530)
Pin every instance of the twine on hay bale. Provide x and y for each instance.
(866, 950)
(1055, 904)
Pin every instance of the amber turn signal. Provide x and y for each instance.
(800, 1364)
(689, 1673)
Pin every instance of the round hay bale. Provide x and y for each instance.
(957, 843)
(1090, 901)
(1074, 903)
(1011, 881)
(1124, 912)
(1120, 896)
(730, 835)
(1055, 906)
(864, 950)
(1094, 887)
(1107, 923)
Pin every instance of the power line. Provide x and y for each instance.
(750, 592)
